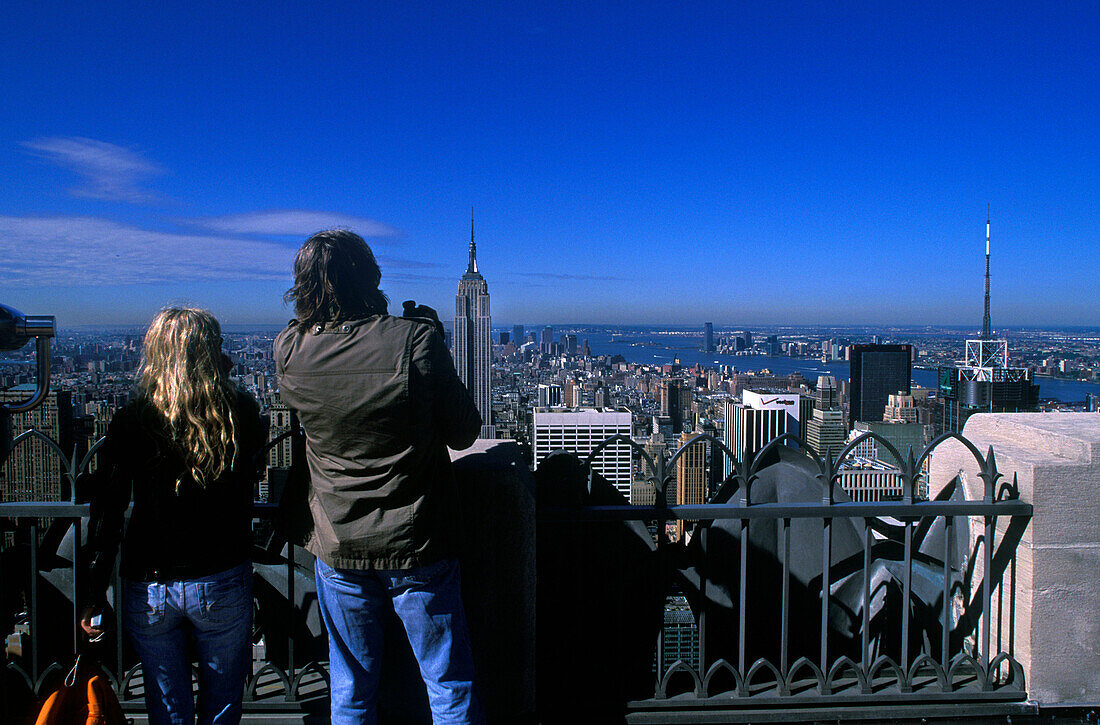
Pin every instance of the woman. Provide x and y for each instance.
(183, 453)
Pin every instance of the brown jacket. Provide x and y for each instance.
(379, 401)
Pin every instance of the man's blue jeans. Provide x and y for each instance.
(429, 603)
(216, 612)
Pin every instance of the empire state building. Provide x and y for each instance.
(472, 344)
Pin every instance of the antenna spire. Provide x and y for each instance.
(472, 267)
(987, 332)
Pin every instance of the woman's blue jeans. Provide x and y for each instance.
(429, 603)
(215, 612)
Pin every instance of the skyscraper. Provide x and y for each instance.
(708, 337)
(281, 454)
(33, 470)
(517, 334)
(877, 372)
(472, 342)
(571, 395)
(549, 396)
(824, 431)
(691, 476)
(752, 424)
(672, 404)
(580, 431)
(900, 409)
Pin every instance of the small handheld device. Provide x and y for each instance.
(97, 622)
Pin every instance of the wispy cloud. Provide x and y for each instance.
(110, 172)
(88, 251)
(578, 277)
(387, 262)
(294, 222)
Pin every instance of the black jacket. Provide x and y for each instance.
(171, 535)
(379, 401)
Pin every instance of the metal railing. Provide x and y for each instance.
(919, 664)
(904, 660)
(41, 584)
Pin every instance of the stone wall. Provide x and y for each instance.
(1054, 459)
(496, 518)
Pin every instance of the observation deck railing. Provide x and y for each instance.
(909, 648)
(42, 592)
(912, 645)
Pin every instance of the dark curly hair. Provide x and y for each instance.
(336, 278)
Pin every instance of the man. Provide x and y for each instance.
(379, 401)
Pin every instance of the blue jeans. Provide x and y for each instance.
(429, 603)
(215, 611)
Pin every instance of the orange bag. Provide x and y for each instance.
(82, 700)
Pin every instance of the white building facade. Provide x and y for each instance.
(581, 431)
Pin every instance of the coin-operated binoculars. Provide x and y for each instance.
(16, 329)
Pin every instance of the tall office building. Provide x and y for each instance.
(824, 431)
(751, 424)
(877, 372)
(280, 457)
(33, 470)
(472, 342)
(549, 395)
(691, 476)
(708, 337)
(546, 340)
(983, 382)
(644, 490)
(570, 395)
(581, 431)
(517, 334)
(901, 435)
(672, 404)
(281, 454)
(900, 409)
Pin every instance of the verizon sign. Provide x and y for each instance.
(771, 401)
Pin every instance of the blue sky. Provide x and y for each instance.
(626, 162)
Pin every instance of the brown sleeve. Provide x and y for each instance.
(453, 411)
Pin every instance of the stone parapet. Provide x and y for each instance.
(496, 521)
(1054, 459)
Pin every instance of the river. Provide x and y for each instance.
(649, 349)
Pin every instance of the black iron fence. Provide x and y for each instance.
(803, 598)
(798, 597)
(42, 593)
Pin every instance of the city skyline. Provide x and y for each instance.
(746, 165)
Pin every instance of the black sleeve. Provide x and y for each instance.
(109, 489)
(454, 413)
(251, 436)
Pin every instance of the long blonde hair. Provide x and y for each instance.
(183, 379)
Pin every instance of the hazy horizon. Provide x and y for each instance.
(826, 164)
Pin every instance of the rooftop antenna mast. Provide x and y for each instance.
(987, 332)
(472, 268)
